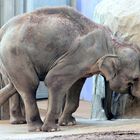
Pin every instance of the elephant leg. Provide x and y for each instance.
(26, 85)
(27, 89)
(16, 116)
(59, 80)
(25, 80)
(72, 103)
(28, 94)
(16, 106)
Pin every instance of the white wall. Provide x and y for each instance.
(10, 8)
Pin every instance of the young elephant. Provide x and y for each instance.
(62, 48)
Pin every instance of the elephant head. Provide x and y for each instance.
(121, 69)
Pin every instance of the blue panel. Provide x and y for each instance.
(87, 7)
(78, 5)
(42, 91)
(87, 90)
(43, 3)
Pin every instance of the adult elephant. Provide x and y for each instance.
(62, 48)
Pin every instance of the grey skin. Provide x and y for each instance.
(62, 48)
(17, 113)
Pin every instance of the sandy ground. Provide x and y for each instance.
(86, 128)
(123, 135)
(84, 110)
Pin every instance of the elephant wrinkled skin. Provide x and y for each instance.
(62, 48)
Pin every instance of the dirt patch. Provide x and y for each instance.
(116, 135)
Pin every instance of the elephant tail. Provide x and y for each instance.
(6, 92)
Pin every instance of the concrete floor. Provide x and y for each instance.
(85, 128)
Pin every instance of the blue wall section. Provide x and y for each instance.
(87, 90)
(34, 4)
(86, 7)
(40, 3)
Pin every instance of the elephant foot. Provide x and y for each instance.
(69, 120)
(17, 120)
(50, 127)
(35, 126)
(110, 116)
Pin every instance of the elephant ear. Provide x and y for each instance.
(109, 65)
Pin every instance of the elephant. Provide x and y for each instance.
(16, 107)
(61, 47)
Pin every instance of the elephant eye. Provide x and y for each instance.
(114, 75)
